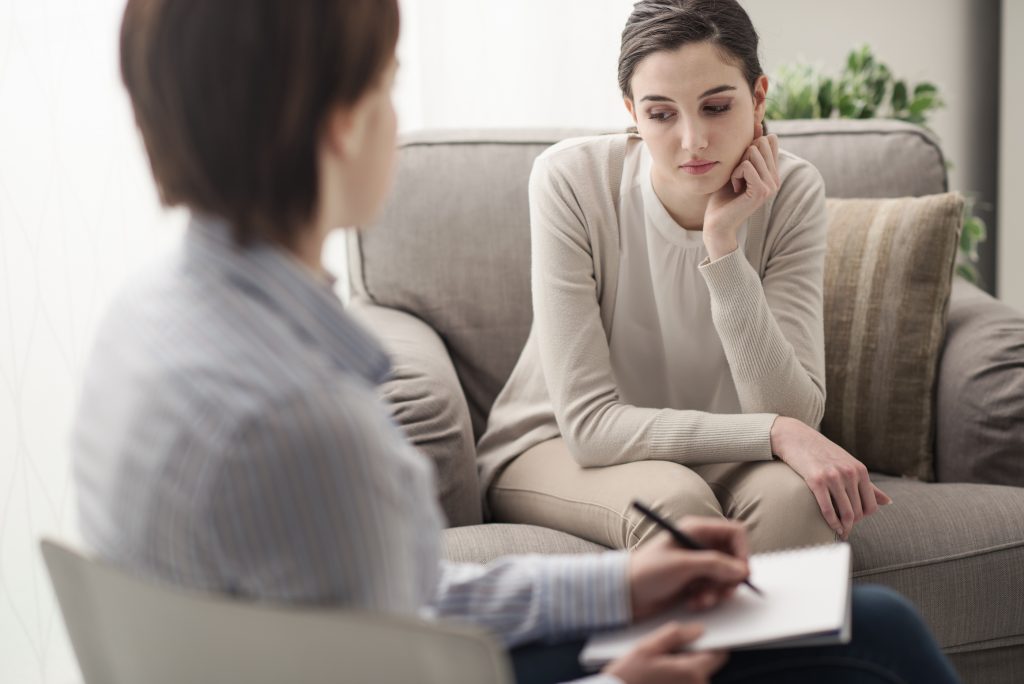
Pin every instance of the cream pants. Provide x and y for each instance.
(545, 486)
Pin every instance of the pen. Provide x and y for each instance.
(684, 540)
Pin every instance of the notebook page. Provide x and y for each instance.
(806, 593)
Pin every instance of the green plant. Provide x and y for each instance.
(973, 233)
(867, 89)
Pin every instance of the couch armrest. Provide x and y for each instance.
(427, 402)
(980, 394)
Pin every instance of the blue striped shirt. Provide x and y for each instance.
(229, 438)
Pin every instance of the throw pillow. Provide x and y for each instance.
(888, 268)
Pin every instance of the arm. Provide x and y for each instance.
(320, 500)
(773, 331)
(597, 426)
(525, 598)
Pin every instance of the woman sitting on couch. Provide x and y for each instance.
(677, 346)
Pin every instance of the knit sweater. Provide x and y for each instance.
(766, 304)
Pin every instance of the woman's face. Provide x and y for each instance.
(690, 105)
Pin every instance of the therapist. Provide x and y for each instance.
(229, 437)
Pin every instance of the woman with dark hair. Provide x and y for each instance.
(677, 353)
(229, 437)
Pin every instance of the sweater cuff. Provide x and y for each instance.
(586, 593)
(741, 314)
(716, 438)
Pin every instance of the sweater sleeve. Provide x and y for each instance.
(772, 331)
(598, 427)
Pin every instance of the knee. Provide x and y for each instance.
(674, 491)
(784, 513)
(883, 615)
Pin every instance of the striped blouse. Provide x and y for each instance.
(229, 438)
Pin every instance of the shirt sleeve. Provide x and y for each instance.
(321, 500)
(528, 598)
(772, 331)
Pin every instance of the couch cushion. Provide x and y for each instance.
(956, 551)
(888, 268)
(484, 543)
(452, 245)
(981, 391)
(426, 401)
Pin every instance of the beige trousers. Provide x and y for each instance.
(545, 486)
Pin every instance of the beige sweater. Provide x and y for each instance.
(766, 303)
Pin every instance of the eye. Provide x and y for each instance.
(660, 116)
(716, 109)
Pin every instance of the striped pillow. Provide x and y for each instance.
(888, 271)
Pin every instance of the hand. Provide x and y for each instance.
(661, 573)
(753, 181)
(655, 659)
(840, 483)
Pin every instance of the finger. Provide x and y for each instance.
(853, 491)
(723, 535)
(669, 638)
(773, 141)
(760, 165)
(828, 511)
(867, 494)
(881, 497)
(747, 173)
(843, 507)
(715, 566)
(765, 148)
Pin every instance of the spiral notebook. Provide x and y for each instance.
(806, 602)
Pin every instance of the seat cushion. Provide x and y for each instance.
(955, 550)
(888, 268)
(484, 543)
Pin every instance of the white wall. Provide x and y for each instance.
(78, 210)
(1011, 171)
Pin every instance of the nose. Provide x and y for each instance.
(694, 135)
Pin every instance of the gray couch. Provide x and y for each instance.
(443, 279)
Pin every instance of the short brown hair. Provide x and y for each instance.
(231, 96)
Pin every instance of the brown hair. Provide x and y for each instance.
(231, 96)
(657, 25)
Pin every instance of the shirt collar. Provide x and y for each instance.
(292, 291)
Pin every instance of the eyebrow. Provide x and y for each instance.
(706, 93)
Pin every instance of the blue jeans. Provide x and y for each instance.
(891, 645)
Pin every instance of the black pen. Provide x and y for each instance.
(684, 540)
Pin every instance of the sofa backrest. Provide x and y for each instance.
(452, 245)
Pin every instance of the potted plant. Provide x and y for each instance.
(867, 89)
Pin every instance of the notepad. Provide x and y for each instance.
(806, 602)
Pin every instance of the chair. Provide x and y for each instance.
(127, 630)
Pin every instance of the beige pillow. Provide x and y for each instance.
(887, 281)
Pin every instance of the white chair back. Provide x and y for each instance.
(128, 630)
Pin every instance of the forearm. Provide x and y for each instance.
(525, 598)
(765, 366)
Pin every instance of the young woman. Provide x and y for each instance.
(677, 354)
(228, 436)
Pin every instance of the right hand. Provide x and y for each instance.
(839, 482)
(655, 659)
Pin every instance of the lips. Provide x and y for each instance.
(698, 167)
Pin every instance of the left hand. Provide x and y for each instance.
(753, 181)
(661, 573)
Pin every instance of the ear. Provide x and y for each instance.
(628, 101)
(336, 138)
(760, 97)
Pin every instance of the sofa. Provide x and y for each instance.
(443, 279)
